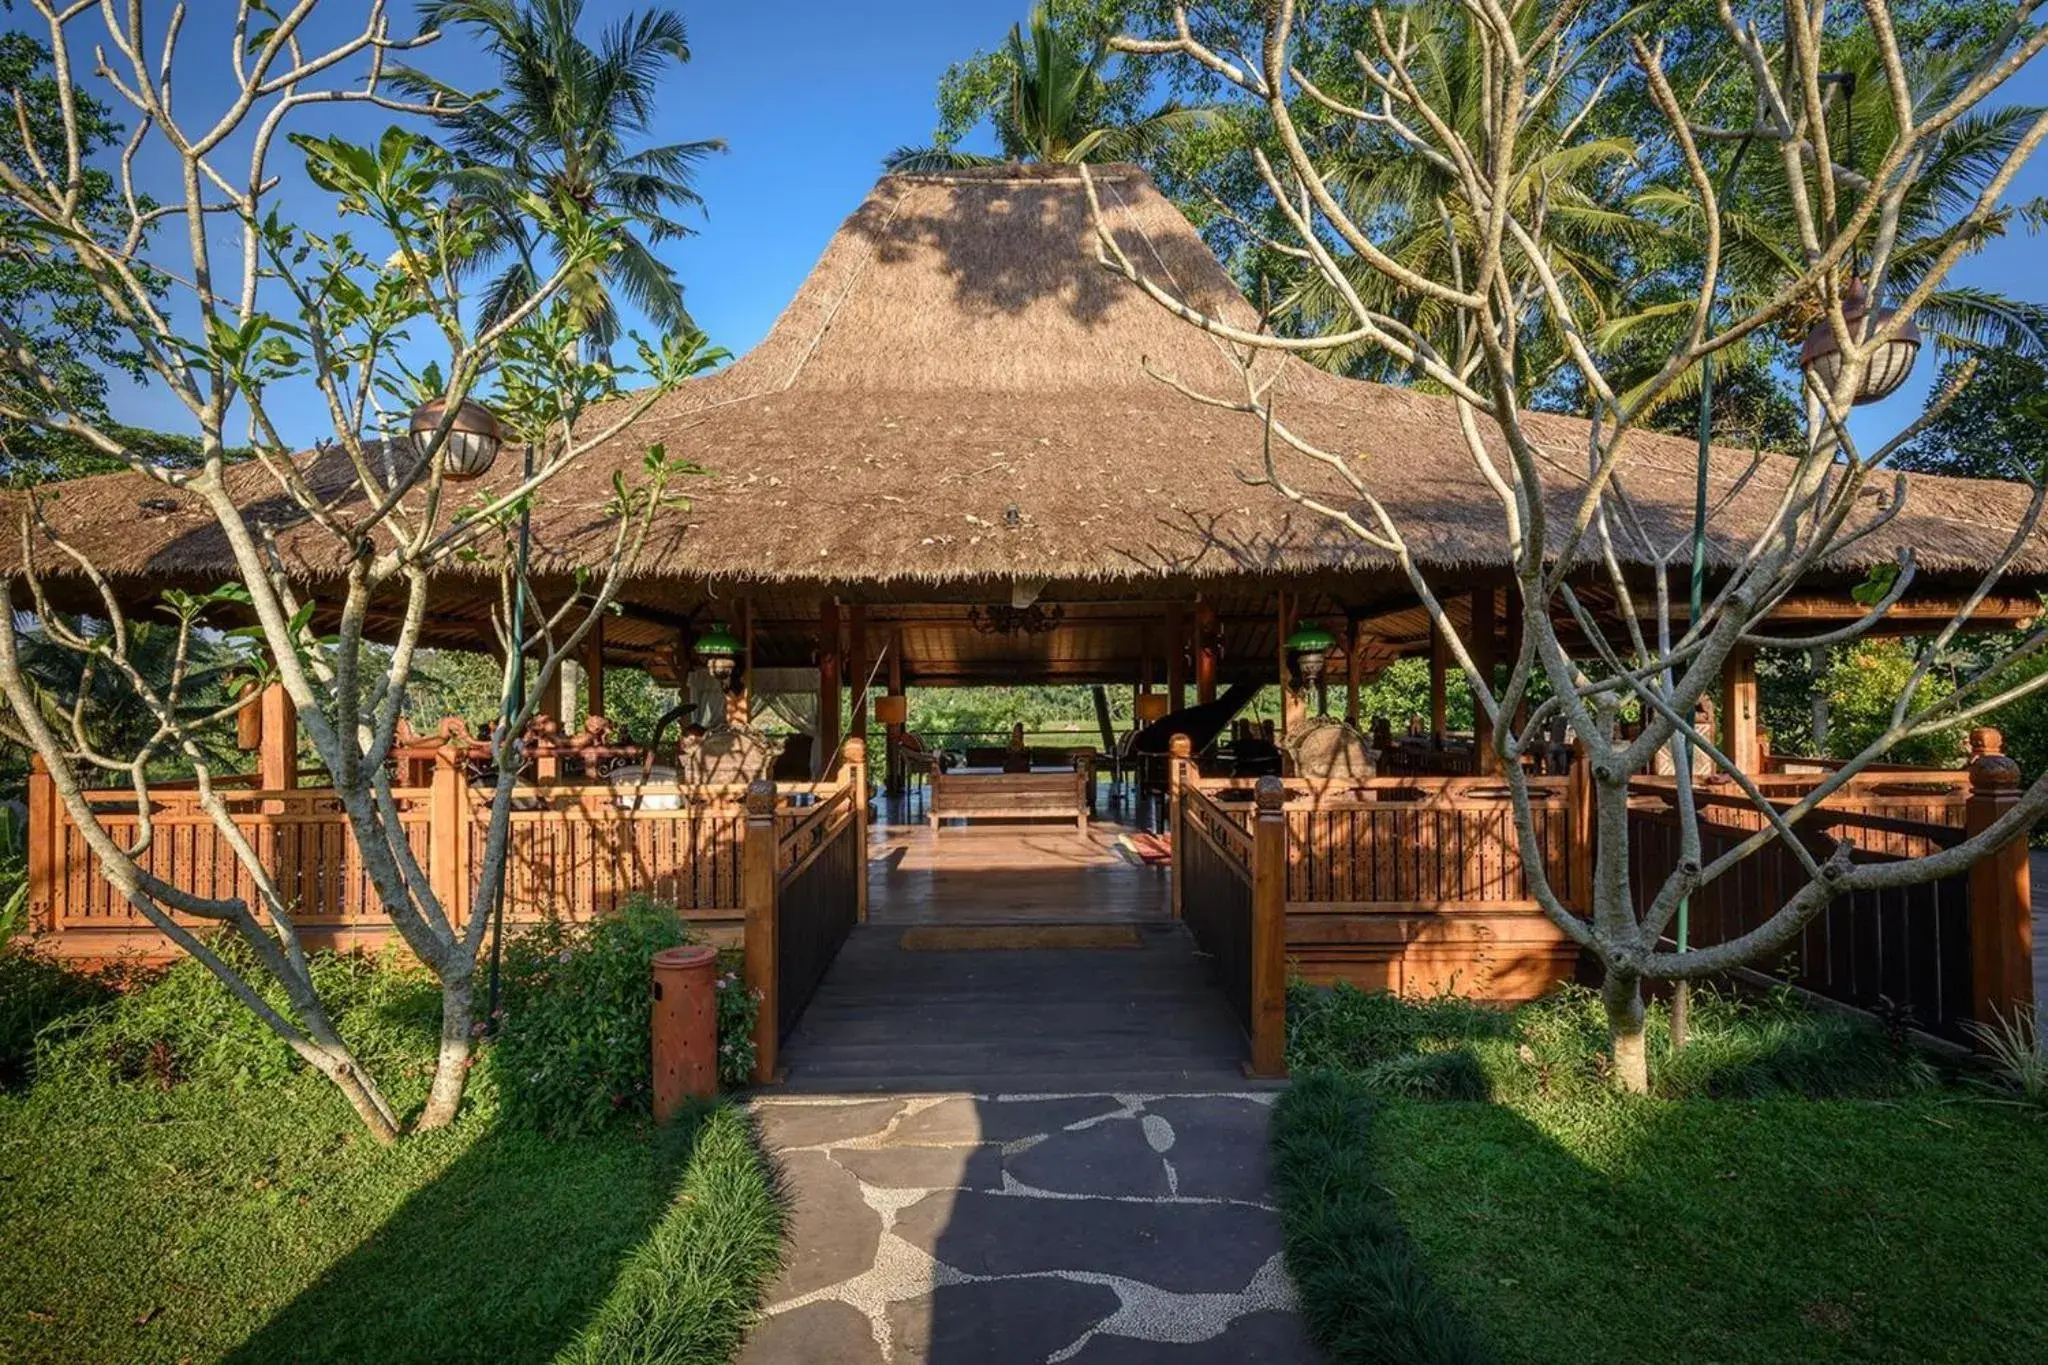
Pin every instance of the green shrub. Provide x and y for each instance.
(572, 1052)
(1364, 1292)
(1350, 1029)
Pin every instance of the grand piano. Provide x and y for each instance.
(1144, 751)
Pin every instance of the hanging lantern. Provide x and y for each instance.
(1821, 356)
(719, 651)
(472, 442)
(1308, 649)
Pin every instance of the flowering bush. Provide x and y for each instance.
(572, 1050)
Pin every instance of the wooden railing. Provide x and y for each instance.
(803, 881)
(1947, 952)
(1230, 882)
(574, 850)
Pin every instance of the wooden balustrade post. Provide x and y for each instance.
(758, 878)
(43, 838)
(2001, 893)
(1180, 758)
(448, 835)
(1579, 831)
(1269, 930)
(277, 756)
(856, 752)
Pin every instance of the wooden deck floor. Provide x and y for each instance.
(1010, 872)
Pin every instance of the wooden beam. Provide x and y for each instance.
(1293, 703)
(739, 702)
(1176, 656)
(827, 746)
(1439, 708)
(277, 756)
(1480, 645)
(1739, 709)
(1354, 669)
(593, 665)
(1205, 652)
(858, 666)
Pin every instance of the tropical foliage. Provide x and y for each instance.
(567, 123)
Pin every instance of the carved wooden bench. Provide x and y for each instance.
(1014, 796)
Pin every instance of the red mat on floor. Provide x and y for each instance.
(1150, 849)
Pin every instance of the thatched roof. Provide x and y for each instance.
(956, 394)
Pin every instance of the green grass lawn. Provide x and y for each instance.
(225, 1211)
(1553, 1222)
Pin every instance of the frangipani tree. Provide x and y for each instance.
(1843, 229)
(240, 315)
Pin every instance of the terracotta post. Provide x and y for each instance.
(683, 1030)
(2001, 894)
(758, 879)
(277, 756)
(1484, 760)
(1269, 931)
(828, 687)
(1180, 760)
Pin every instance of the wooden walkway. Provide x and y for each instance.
(1005, 1019)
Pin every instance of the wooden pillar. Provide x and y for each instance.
(550, 695)
(1269, 931)
(1354, 669)
(1511, 636)
(892, 757)
(739, 696)
(1580, 815)
(1179, 767)
(2001, 893)
(1738, 710)
(1293, 703)
(828, 687)
(855, 756)
(1205, 652)
(1176, 656)
(277, 757)
(42, 840)
(593, 666)
(448, 816)
(1484, 759)
(758, 877)
(1439, 708)
(858, 666)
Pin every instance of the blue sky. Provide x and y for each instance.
(809, 95)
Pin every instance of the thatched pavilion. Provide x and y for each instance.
(952, 423)
(954, 412)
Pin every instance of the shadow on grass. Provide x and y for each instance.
(502, 1258)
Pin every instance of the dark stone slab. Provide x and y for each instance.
(807, 1125)
(826, 1333)
(1112, 1157)
(1220, 1145)
(1014, 1320)
(968, 1118)
(925, 1168)
(1266, 1338)
(1186, 1248)
(832, 1233)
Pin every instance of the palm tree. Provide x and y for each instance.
(1054, 111)
(564, 123)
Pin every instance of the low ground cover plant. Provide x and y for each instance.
(175, 1185)
(1461, 1183)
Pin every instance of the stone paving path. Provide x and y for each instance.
(943, 1229)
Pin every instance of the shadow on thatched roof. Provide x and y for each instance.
(956, 394)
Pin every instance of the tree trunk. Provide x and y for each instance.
(1623, 996)
(339, 1066)
(451, 1069)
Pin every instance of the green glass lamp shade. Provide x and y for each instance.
(718, 650)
